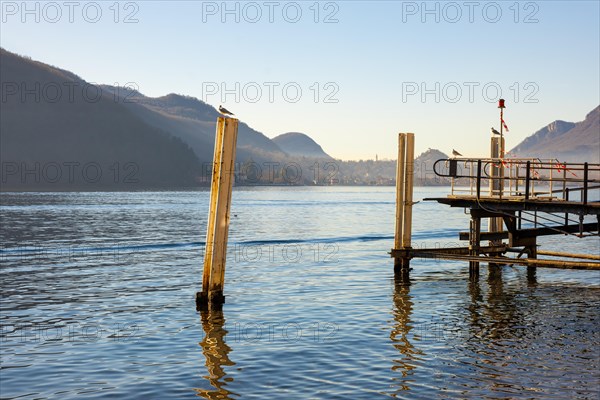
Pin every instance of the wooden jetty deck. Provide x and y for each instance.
(523, 199)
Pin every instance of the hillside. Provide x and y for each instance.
(566, 141)
(300, 145)
(424, 175)
(57, 132)
(194, 122)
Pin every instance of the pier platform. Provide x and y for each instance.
(523, 200)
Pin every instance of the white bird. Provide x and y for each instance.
(225, 111)
(456, 153)
(495, 132)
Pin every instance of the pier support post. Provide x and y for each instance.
(474, 242)
(496, 184)
(218, 216)
(531, 247)
(404, 200)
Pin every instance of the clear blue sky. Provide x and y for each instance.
(374, 58)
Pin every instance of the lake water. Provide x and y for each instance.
(98, 302)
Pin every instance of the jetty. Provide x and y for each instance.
(523, 199)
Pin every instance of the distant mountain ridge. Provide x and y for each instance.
(194, 122)
(70, 141)
(300, 145)
(566, 141)
(168, 140)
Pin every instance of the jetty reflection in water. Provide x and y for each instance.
(502, 315)
(216, 352)
(403, 307)
(491, 315)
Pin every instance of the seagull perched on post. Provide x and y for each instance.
(456, 153)
(225, 111)
(495, 132)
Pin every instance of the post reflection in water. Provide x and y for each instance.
(532, 277)
(496, 315)
(216, 352)
(403, 307)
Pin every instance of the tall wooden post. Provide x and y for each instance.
(404, 199)
(474, 241)
(497, 180)
(400, 190)
(496, 183)
(218, 215)
(408, 190)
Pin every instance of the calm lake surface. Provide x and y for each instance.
(98, 293)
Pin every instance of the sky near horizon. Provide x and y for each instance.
(350, 74)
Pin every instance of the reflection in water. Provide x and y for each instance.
(474, 305)
(500, 315)
(532, 276)
(216, 352)
(403, 307)
(497, 316)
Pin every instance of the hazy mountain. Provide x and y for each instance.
(54, 122)
(300, 145)
(429, 157)
(194, 121)
(57, 132)
(566, 141)
(424, 174)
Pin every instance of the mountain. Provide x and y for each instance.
(566, 141)
(58, 132)
(300, 145)
(428, 158)
(424, 175)
(194, 122)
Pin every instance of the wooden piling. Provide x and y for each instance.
(474, 244)
(496, 184)
(408, 190)
(218, 216)
(400, 190)
(404, 199)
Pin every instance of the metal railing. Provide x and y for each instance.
(521, 178)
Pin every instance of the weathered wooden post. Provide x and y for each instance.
(399, 193)
(404, 200)
(497, 172)
(218, 215)
(496, 183)
(474, 243)
(409, 170)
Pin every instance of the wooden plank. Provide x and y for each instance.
(533, 232)
(519, 204)
(447, 250)
(568, 255)
(560, 264)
